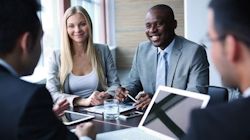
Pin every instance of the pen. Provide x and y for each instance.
(132, 98)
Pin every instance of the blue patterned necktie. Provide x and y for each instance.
(162, 69)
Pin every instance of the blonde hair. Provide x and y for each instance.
(66, 54)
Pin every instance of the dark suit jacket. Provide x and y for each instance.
(26, 111)
(223, 122)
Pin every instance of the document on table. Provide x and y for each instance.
(100, 108)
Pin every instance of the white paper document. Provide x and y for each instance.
(100, 108)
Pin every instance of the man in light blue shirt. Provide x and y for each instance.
(186, 66)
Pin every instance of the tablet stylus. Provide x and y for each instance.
(132, 98)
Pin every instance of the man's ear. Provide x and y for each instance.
(233, 49)
(24, 42)
(175, 24)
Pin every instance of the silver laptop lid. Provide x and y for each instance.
(169, 111)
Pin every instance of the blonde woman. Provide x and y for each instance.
(81, 72)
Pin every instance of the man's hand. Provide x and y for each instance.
(86, 129)
(121, 94)
(143, 100)
(60, 107)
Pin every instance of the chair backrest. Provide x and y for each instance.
(217, 95)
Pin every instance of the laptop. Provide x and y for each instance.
(167, 116)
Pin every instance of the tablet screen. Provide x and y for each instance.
(70, 117)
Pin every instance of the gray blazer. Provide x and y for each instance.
(188, 68)
(53, 82)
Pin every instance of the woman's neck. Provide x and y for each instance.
(79, 48)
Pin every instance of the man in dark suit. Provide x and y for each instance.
(26, 109)
(185, 64)
(229, 33)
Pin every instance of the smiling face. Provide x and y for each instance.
(159, 27)
(77, 28)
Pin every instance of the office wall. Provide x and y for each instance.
(196, 30)
(129, 24)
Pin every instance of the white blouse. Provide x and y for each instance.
(85, 85)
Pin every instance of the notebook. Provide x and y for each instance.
(167, 116)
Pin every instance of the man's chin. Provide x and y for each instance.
(229, 84)
(27, 74)
(156, 44)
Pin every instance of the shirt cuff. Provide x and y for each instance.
(85, 138)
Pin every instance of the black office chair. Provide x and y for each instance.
(217, 95)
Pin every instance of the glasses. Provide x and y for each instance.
(219, 38)
(208, 40)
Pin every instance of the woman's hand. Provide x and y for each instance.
(98, 98)
(60, 107)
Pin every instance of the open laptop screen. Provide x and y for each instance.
(169, 113)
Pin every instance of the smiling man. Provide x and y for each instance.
(166, 59)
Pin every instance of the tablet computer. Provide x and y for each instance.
(71, 117)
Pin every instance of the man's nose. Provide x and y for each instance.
(153, 28)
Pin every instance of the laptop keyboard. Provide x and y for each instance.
(126, 134)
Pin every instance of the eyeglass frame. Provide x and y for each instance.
(207, 39)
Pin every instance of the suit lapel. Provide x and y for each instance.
(174, 60)
(153, 65)
(101, 59)
(66, 85)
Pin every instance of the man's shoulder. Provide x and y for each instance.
(12, 83)
(19, 91)
(208, 123)
(145, 44)
(145, 48)
(225, 109)
(186, 43)
(189, 47)
(184, 40)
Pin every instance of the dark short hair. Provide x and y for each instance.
(232, 17)
(16, 18)
(167, 9)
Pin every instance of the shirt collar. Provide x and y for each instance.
(8, 67)
(168, 49)
(246, 93)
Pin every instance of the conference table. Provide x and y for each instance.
(103, 125)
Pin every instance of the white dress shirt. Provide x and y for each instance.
(163, 60)
(246, 93)
(85, 138)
